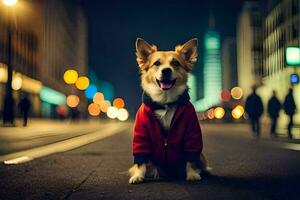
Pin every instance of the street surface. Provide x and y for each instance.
(90, 160)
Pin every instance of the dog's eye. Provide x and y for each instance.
(157, 63)
(175, 63)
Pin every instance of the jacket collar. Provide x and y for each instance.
(182, 99)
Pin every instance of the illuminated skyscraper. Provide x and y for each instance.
(212, 70)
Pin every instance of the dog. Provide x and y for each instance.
(167, 139)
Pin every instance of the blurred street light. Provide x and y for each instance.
(10, 2)
(90, 91)
(8, 109)
(122, 114)
(98, 98)
(294, 78)
(219, 112)
(225, 95)
(70, 76)
(238, 112)
(94, 109)
(211, 113)
(237, 93)
(17, 82)
(118, 103)
(292, 56)
(112, 112)
(104, 105)
(73, 101)
(82, 83)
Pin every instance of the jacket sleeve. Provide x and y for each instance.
(141, 140)
(193, 137)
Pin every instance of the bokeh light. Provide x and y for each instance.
(118, 103)
(73, 100)
(237, 93)
(70, 76)
(94, 109)
(211, 113)
(82, 83)
(90, 91)
(122, 114)
(238, 112)
(112, 112)
(16, 83)
(225, 95)
(10, 2)
(104, 105)
(98, 98)
(219, 112)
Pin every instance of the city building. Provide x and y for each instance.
(212, 72)
(281, 27)
(229, 63)
(249, 46)
(48, 37)
(212, 69)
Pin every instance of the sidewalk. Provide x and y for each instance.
(244, 128)
(40, 132)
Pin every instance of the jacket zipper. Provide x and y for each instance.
(166, 151)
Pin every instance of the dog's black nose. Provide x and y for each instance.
(166, 72)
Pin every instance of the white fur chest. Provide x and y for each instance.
(165, 116)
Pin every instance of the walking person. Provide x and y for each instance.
(254, 108)
(274, 107)
(290, 109)
(24, 106)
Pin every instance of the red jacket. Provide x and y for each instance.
(171, 150)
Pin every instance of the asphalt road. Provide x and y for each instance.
(243, 168)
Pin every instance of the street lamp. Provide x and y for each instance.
(8, 109)
(10, 2)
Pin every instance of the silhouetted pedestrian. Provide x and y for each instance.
(24, 106)
(74, 114)
(290, 109)
(254, 108)
(274, 107)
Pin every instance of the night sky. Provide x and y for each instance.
(115, 25)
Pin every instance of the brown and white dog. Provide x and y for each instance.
(164, 76)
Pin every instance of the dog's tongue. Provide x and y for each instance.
(165, 86)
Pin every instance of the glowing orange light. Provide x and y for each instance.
(238, 112)
(82, 83)
(237, 93)
(94, 109)
(72, 100)
(219, 112)
(211, 113)
(98, 98)
(10, 2)
(118, 103)
(104, 105)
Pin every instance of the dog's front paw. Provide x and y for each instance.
(193, 176)
(136, 179)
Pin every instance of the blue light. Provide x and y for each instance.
(90, 91)
(294, 78)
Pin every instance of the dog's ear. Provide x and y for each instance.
(188, 51)
(143, 50)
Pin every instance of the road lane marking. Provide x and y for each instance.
(62, 146)
(18, 160)
(290, 146)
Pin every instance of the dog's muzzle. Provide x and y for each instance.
(166, 84)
